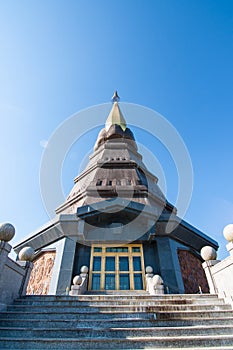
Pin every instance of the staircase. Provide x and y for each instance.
(117, 321)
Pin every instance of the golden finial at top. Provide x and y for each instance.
(115, 97)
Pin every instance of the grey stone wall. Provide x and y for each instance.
(14, 276)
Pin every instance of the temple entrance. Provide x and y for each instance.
(116, 268)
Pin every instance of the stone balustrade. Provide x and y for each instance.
(80, 282)
(14, 275)
(219, 273)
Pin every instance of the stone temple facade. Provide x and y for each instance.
(116, 222)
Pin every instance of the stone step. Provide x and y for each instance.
(129, 321)
(89, 332)
(117, 343)
(80, 308)
(192, 314)
(44, 298)
(147, 301)
(74, 315)
(114, 322)
(146, 313)
(140, 296)
(117, 292)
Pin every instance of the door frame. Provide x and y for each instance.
(106, 250)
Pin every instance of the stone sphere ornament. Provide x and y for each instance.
(157, 280)
(84, 269)
(208, 253)
(26, 254)
(228, 232)
(77, 280)
(149, 269)
(7, 232)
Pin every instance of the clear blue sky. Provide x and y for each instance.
(174, 56)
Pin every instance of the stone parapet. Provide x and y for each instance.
(14, 276)
(219, 275)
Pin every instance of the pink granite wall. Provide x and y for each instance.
(192, 272)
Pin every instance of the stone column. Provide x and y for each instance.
(63, 266)
(209, 254)
(7, 232)
(169, 266)
(28, 266)
(207, 268)
(5, 249)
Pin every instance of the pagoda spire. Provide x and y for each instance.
(115, 116)
(115, 97)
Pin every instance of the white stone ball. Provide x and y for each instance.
(149, 269)
(157, 280)
(228, 232)
(208, 253)
(26, 254)
(84, 269)
(77, 280)
(7, 232)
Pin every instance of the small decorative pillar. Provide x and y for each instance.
(154, 283)
(7, 232)
(80, 282)
(26, 256)
(228, 234)
(209, 254)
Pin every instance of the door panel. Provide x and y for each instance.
(110, 281)
(124, 282)
(123, 263)
(97, 263)
(137, 263)
(96, 281)
(110, 263)
(138, 285)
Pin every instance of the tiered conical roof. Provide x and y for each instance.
(115, 129)
(115, 169)
(115, 118)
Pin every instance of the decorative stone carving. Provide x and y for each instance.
(154, 283)
(228, 232)
(26, 254)
(77, 280)
(84, 269)
(80, 282)
(157, 283)
(7, 232)
(149, 269)
(40, 278)
(157, 280)
(208, 253)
